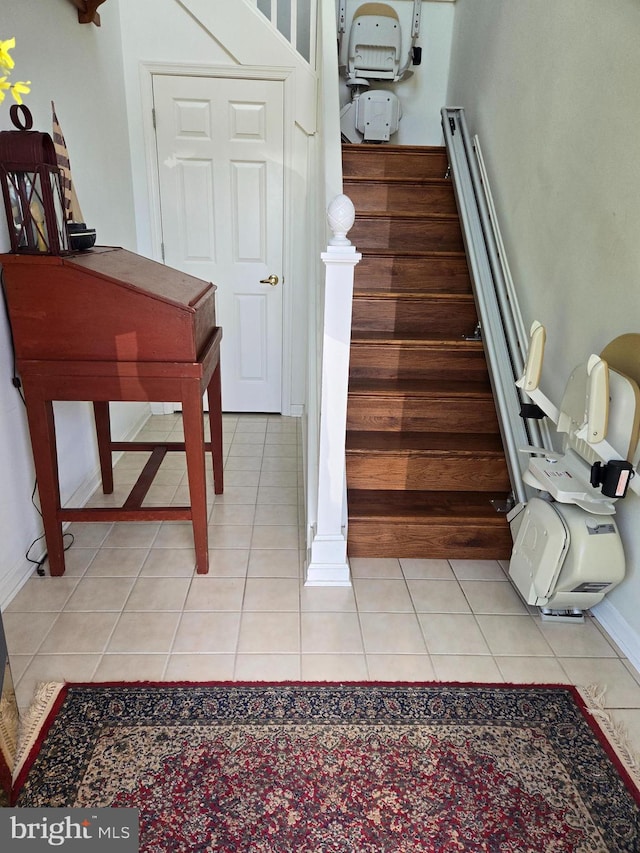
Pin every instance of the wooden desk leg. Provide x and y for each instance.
(43, 443)
(214, 393)
(103, 434)
(192, 417)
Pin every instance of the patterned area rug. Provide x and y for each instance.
(339, 768)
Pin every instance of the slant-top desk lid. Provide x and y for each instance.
(106, 304)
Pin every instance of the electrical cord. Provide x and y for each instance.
(17, 384)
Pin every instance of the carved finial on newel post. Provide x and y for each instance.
(341, 215)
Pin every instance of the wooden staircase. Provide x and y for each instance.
(424, 454)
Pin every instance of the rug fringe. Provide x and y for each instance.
(615, 731)
(31, 721)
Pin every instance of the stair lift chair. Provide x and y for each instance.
(372, 53)
(567, 552)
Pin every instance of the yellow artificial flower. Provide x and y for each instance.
(3, 87)
(18, 89)
(5, 58)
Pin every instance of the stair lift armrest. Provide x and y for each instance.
(403, 71)
(342, 16)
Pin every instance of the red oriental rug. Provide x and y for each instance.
(351, 768)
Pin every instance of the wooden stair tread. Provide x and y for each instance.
(413, 295)
(423, 443)
(416, 505)
(427, 388)
(381, 337)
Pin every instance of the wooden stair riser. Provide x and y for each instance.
(410, 273)
(405, 361)
(425, 540)
(401, 197)
(439, 317)
(407, 234)
(389, 413)
(438, 472)
(391, 161)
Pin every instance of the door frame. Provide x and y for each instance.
(284, 75)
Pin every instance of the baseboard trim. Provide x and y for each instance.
(621, 632)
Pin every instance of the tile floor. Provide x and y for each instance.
(130, 607)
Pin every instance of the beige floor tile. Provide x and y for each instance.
(513, 635)
(144, 633)
(478, 669)
(24, 636)
(18, 664)
(331, 633)
(243, 463)
(174, 534)
(278, 479)
(209, 593)
(43, 594)
(274, 563)
(319, 667)
(266, 667)
(54, 668)
(438, 596)
(169, 562)
(400, 668)
(576, 640)
(117, 562)
(279, 463)
(89, 534)
(528, 670)
(452, 634)
(202, 668)
(230, 535)
(77, 560)
(158, 594)
(132, 535)
(493, 597)
(620, 689)
(277, 495)
(427, 569)
(272, 594)
(100, 594)
(275, 536)
(238, 495)
(370, 567)
(243, 479)
(391, 633)
(326, 598)
(388, 595)
(212, 633)
(243, 514)
(80, 633)
(266, 515)
(471, 570)
(228, 562)
(123, 667)
(269, 633)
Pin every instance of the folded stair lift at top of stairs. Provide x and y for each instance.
(567, 551)
(372, 51)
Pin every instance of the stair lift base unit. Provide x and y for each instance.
(563, 558)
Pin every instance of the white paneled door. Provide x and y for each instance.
(220, 164)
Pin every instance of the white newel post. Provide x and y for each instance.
(328, 565)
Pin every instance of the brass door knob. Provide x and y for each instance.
(272, 280)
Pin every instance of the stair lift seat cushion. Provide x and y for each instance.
(377, 115)
(375, 42)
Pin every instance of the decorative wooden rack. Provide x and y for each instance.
(87, 11)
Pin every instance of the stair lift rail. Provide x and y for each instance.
(503, 335)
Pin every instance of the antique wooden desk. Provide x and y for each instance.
(109, 325)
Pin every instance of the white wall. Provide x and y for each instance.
(551, 88)
(79, 68)
(423, 95)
